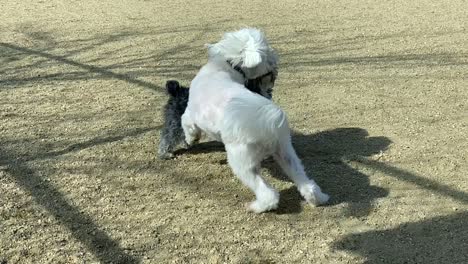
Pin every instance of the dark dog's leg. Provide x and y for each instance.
(170, 139)
(165, 146)
(172, 134)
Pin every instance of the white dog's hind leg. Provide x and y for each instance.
(291, 164)
(191, 131)
(245, 165)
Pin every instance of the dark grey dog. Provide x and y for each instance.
(172, 134)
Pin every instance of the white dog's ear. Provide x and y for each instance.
(251, 55)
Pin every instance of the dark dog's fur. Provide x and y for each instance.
(172, 134)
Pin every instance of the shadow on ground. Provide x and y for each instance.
(80, 225)
(437, 240)
(322, 155)
(54, 60)
(46, 59)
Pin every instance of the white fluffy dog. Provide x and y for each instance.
(250, 126)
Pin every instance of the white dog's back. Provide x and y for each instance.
(228, 112)
(252, 119)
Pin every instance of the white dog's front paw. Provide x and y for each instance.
(313, 195)
(185, 145)
(261, 206)
(267, 201)
(190, 141)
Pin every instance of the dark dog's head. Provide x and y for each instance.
(262, 85)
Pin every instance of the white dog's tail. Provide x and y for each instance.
(254, 119)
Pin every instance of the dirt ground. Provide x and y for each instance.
(376, 93)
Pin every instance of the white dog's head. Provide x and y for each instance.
(248, 50)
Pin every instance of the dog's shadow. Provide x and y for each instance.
(324, 156)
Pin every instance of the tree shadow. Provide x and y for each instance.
(76, 58)
(441, 239)
(81, 226)
(314, 53)
(45, 154)
(75, 75)
(56, 61)
(412, 178)
(323, 156)
(437, 240)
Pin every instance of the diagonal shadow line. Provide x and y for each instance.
(438, 240)
(415, 179)
(439, 59)
(89, 68)
(80, 225)
(87, 144)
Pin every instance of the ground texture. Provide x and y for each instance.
(376, 93)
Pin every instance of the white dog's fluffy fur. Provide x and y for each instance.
(251, 126)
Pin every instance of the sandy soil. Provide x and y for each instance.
(376, 92)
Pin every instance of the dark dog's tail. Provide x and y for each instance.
(174, 89)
